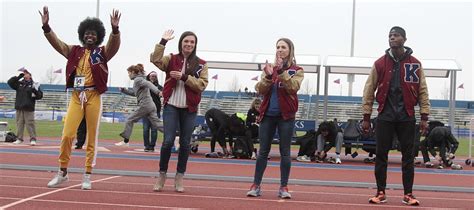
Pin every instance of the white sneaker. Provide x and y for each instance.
(338, 160)
(18, 141)
(33, 142)
(122, 143)
(58, 179)
(86, 182)
(254, 156)
(303, 158)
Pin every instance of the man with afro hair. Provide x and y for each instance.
(86, 76)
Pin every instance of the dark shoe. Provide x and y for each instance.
(78, 147)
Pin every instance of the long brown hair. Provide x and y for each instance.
(136, 69)
(291, 55)
(192, 60)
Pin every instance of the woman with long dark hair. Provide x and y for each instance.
(186, 79)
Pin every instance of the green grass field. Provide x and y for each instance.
(45, 128)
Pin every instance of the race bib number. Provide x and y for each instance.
(79, 82)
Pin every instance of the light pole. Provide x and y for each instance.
(350, 77)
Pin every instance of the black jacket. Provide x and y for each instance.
(26, 94)
(156, 98)
(332, 129)
(252, 116)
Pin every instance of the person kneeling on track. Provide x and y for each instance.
(218, 123)
(329, 135)
(441, 138)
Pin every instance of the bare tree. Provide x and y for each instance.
(306, 87)
(445, 92)
(234, 85)
(51, 78)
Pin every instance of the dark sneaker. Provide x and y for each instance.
(283, 193)
(254, 191)
(429, 165)
(378, 198)
(409, 199)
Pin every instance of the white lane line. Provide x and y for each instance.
(50, 192)
(213, 198)
(102, 204)
(233, 188)
(245, 199)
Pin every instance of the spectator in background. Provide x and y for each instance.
(439, 137)
(27, 92)
(186, 79)
(329, 135)
(142, 89)
(252, 124)
(219, 124)
(279, 84)
(147, 128)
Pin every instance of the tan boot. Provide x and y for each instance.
(160, 183)
(178, 182)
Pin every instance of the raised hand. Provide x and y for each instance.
(268, 68)
(115, 18)
(44, 15)
(279, 62)
(168, 35)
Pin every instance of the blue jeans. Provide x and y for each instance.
(267, 129)
(172, 119)
(147, 128)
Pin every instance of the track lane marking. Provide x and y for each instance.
(50, 192)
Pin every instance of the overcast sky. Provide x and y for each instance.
(435, 30)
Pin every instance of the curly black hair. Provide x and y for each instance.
(93, 24)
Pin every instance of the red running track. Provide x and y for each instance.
(20, 189)
(26, 190)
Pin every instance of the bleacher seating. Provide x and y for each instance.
(347, 108)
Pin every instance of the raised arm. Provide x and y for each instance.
(157, 57)
(57, 44)
(126, 91)
(113, 44)
(265, 83)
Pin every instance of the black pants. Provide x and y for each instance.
(406, 135)
(81, 133)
